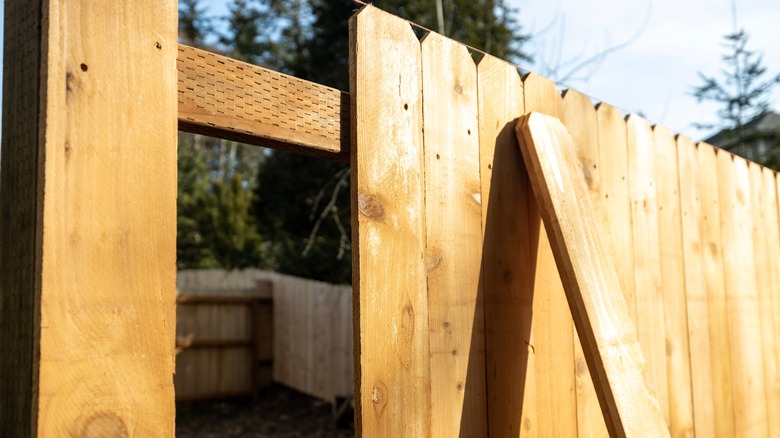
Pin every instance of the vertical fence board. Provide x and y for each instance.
(650, 229)
(677, 358)
(579, 116)
(615, 205)
(714, 276)
(552, 332)
(742, 297)
(391, 346)
(760, 197)
(507, 271)
(772, 237)
(454, 239)
(88, 219)
(691, 208)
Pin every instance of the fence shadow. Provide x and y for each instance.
(511, 237)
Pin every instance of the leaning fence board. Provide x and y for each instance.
(552, 333)
(697, 303)
(646, 194)
(506, 269)
(392, 365)
(742, 297)
(579, 116)
(717, 305)
(230, 99)
(454, 239)
(760, 196)
(592, 287)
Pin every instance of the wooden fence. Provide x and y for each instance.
(224, 343)
(462, 326)
(462, 314)
(239, 330)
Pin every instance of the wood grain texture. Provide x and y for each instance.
(714, 277)
(552, 335)
(674, 300)
(615, 205)
(592, 286)
(750, 413)
(773, 245)
(226, 98)
(509, 247)
(24, 53)
(392, 362)
(651, 233)
(760, 197)
(579, 116)
(697, 301)
(89, 268)
(454, 239)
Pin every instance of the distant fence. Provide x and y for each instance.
(237, 331)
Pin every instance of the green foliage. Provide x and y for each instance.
(742, 92)
(193, 24)
(214, 226)
(302, 206)
(487, 25)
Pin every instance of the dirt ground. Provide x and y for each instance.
(279, 412)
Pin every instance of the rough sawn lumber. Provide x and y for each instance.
(608, 335)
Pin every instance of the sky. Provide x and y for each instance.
(670, 41)
(655, 74)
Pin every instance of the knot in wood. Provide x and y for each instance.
(371, 207)
(104, 425)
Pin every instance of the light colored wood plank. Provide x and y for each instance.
(94, 227)
(226, 98)
(579, 116)
(761, 196)
(615, 205)
(656, 236)
(672, 247)
(697, 301)
(592, 287)
(750, 411)
(552, 335)
(392, 367)
(507, 272)
(714, 276)
(454, 239)
(772, 231)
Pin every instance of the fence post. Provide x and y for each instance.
(88, 218)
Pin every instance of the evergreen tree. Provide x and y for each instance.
(742, 92)
(193, 24)
(216, 177)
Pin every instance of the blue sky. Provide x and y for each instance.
(655, 73)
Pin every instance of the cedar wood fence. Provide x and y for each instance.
(237, 331)
(462, 326)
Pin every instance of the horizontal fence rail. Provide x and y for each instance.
(225, 98)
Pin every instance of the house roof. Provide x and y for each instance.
(768, 122)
